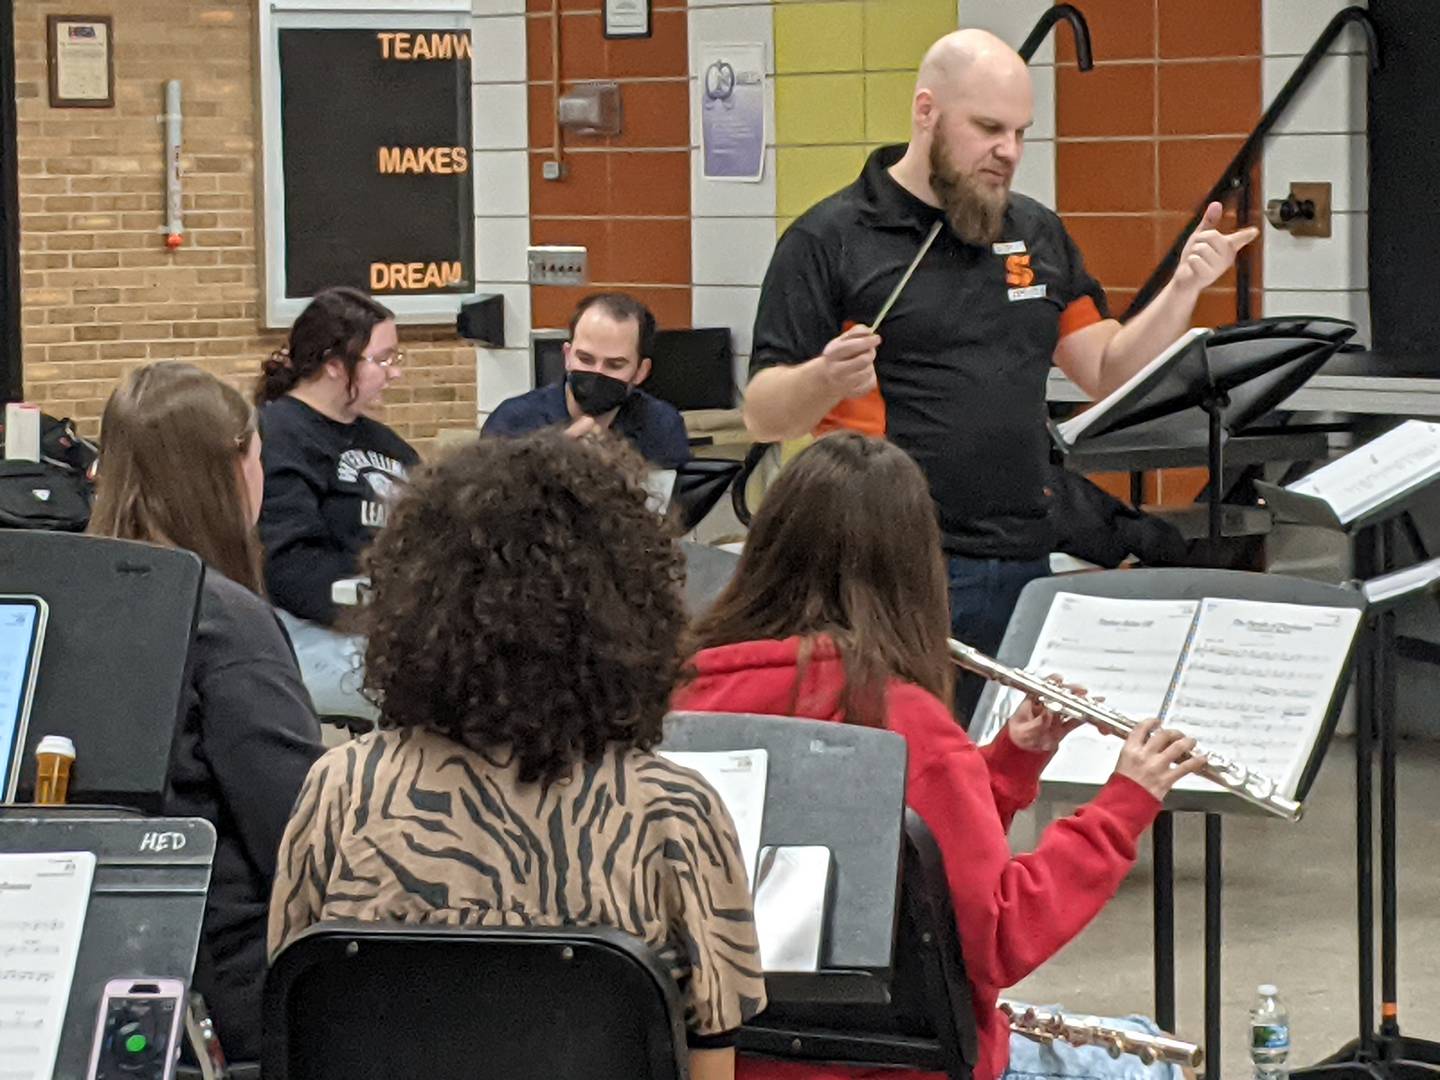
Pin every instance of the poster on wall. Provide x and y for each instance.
(732, 112)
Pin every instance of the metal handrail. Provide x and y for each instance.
(1078, 26)
(1236, 177)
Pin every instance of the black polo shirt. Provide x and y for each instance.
(965, 351)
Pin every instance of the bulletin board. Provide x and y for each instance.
(368, 173)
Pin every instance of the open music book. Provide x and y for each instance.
(1248, 679)
(1383, 469)
(1150, 381)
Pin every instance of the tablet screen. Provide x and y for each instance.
(22, 628)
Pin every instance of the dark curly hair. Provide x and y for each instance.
(524, 595)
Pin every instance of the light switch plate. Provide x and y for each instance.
(559, 265)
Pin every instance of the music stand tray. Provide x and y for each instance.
(1226, 380)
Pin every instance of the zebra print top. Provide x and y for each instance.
(411, 826)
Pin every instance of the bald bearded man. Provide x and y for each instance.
(956, 375)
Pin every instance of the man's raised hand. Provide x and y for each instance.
(1209, 252)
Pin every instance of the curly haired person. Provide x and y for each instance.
(523, 641)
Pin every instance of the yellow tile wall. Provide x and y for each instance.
(844, 75)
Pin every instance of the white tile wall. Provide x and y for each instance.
(501, 170)
(731, 251)
(732, 306)
(500, 111)
(1334, 262)
(1036, 175)
(502, 373)
(1332, 100)
(1339, 160)
(1012, 21)
(502, 243)
(732, 230)
(1290, 27)
(1353, 305)
(499, 54)
(1320, 138)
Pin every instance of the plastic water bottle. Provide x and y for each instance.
(1269, 1035)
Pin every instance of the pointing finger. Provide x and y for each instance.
(1240, 237)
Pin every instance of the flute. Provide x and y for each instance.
(1045, 1027)
(1235, 778)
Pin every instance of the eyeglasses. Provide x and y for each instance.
(387, 359)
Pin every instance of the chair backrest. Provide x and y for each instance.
(351, 1002)
(707, 571)
(928, 1021)
(114, 666)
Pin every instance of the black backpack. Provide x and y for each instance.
(56, 492)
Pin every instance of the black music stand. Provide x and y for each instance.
(1220, 386)
(835, 786)
(146, 902)
(1177, 584)
(117, 609)
(1374, 537)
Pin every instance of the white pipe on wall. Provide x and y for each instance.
(174, 223)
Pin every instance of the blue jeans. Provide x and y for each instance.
(1060, 1061)
(983, 593)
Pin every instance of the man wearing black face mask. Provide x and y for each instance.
(606, 360)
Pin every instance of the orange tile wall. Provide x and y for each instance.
(1143, 136)
(625, 198)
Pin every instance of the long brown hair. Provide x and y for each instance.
(171, 443)
(846, 547)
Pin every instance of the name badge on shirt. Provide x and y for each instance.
(1008, 247)
(1031, 292)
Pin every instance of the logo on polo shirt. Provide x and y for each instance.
(1019, 274)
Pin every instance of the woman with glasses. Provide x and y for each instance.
(331, 469)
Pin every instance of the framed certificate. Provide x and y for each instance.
(627, 18)
(81, 54)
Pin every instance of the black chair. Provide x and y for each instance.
(699, 485)
(351, 1002)
(929, 1021)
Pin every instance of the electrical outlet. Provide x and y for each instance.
(559, 265)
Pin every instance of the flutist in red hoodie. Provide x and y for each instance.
(838, 612)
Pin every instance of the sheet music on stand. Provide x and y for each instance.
(1248, 679)
(1368, 477)
(43, 900)
(739, 778)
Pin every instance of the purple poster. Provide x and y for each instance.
(732, 112)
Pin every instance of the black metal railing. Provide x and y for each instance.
(1078, 26)
(1236, 181)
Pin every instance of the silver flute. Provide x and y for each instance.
(1235, 778)
(1044, 1026)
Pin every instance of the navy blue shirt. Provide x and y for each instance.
(653, 426)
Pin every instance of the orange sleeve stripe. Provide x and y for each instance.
(1078, 315)
(864, 414)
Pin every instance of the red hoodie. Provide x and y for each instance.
(1014, 912)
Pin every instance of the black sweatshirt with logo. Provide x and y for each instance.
(328, 488)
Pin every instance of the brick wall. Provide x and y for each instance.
(100, 292)
(627, 198)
